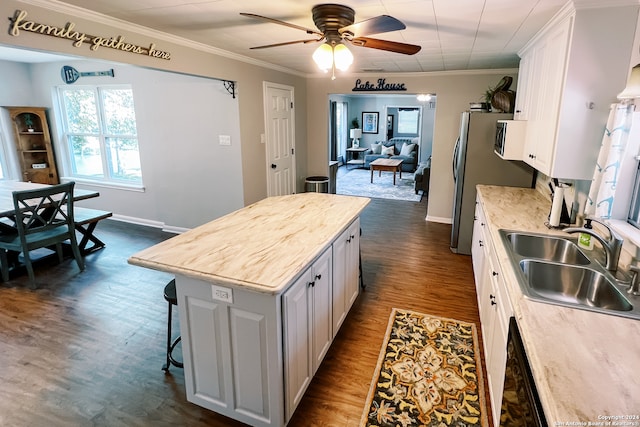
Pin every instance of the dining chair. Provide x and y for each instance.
(43, 218)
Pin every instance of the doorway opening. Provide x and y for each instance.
(395, 129)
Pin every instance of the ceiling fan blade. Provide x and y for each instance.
(377, 25)
(407, 49)
(277, 21)
(288, 43)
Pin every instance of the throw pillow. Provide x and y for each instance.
(407, 149)
(387, 151)
(376, 148)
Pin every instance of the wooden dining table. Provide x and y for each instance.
(84, 226)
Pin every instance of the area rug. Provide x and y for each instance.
(428, 374)
(357, 182)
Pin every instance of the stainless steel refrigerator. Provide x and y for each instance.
(474, 162)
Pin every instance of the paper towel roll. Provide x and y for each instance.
(556, 207)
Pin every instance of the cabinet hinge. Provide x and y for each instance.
(291, 104)
(293, 151)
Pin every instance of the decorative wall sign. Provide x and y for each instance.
(70, 74)
(20, 23)
(380, 86)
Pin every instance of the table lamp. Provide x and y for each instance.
(355, 135)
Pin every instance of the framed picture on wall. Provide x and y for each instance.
(369, 122)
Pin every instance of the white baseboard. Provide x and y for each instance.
(438, 219)
(149, 223)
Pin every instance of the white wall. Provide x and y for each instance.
(189, 178)
(15, 90)
(455, 90)
(186, 58)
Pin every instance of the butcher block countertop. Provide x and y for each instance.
(586, 365)
(262, 247)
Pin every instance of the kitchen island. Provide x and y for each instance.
(261, 294)
(584, 364)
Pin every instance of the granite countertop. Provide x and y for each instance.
(262, 247)
(586, 365)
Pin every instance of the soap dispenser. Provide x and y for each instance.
(585, 240)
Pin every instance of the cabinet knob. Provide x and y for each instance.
(273, 166)
(494, 273)
(349, 240)
(353, 236)
(480, 243)
(318, 276)
(493, 299)
(311, 284)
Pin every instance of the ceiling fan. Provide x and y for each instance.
(335, 23)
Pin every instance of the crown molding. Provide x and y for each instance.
(497, 71)
(89, 15)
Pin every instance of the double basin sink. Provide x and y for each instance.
(553, 269)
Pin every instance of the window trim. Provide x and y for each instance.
(108, 181)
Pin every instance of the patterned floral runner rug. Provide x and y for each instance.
(428, 374)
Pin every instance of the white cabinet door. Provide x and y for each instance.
(497, 366)
(524, 89)
(549, 57)
(353, 263)
(346, 273)
(321, 325)
(551, 83)
(477, 248)
(297, 330)
(307, 328)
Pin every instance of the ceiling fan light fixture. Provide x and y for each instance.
(342, 57)
(323, 57)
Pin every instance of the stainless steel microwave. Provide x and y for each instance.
(510, 139)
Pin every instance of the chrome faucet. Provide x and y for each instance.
(634, 289)
(612, 245)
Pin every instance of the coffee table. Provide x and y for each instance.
(387, 165)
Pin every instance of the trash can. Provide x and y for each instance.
(316, 184)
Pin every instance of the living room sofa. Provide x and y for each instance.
(409, 157)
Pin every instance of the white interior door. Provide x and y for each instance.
(280, 140)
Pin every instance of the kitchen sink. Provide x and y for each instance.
(572, 285)
(554, 270)
(547, 248)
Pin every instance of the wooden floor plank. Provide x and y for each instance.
(86, 349)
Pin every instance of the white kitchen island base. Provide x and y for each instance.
(232, 352)
(262, 292)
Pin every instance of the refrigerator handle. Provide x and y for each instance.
(455, 159)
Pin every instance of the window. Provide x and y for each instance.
(99, 126)
(408, 120)
(634, 211)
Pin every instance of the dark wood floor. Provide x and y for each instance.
(86, 349)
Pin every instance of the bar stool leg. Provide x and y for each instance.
(166, 365)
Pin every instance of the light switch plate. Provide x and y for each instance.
(224, 139)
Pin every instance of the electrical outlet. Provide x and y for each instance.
(222, 294)
(224, 139)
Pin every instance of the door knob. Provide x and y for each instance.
(273, 166)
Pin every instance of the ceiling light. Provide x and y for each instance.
(342, 57)
(424, 97)
(323, 57)
(329, 57)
